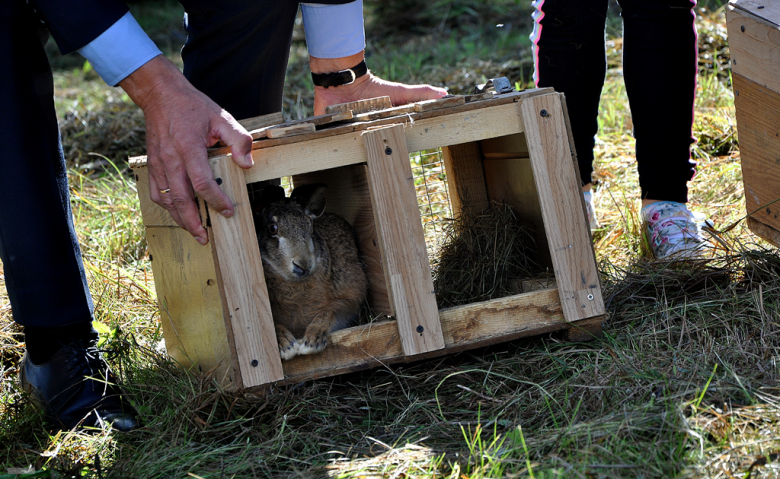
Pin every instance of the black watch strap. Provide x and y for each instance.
(344, 77)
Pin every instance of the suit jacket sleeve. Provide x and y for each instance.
(75, 23)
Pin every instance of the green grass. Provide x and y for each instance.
(683, 383)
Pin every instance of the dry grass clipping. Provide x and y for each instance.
(483, 255)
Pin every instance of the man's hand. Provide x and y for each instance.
(367, 86)
(181, 123)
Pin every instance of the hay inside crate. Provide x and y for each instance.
(513, 149)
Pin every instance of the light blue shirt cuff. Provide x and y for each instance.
(120, 50)
(334, 31)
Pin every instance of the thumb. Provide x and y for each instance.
(232, 134)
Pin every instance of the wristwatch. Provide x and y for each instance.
(343, 77)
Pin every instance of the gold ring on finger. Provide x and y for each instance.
(165, 191)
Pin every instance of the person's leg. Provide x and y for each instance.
(41, 259)
(570, 56)
(237, 51)
(39, 249)
(660, 42)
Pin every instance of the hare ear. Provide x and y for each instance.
(311, 198)
(270, 194)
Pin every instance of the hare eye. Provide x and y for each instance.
(273, 229)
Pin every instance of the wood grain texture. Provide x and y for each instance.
(758, 123)
(361, 106)
(402, 240)
(465, 176)
(333, 151)
(242, 283)
(766, 232)
(488, 95)
(754, 44)
(463, 327)
(348, 196)
(262, 121)
(585, 330)
(560, 199)
(152, 213)
(340, 129)
(430, 105)
(285, 131)
(766, 11)
(190, 306)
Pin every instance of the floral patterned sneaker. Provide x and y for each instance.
(590, 207)
(673, 231)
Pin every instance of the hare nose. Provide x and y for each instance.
(298, 271)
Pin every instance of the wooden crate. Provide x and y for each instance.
(754, 41)
(514, 147)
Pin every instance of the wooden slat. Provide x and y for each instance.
(430, 105)
(190, 304)
(560, 198)
(463, 327)
(767, 11)
(348, 196)
(755, 52)
(386, 113)
(766, 232)
(242, 283)
(758, 121)
(152, 213)
(402, 240)
(285, 131)
(465, 176)
(347, 149)
(361, 106)
(262, 121)
(480, 96)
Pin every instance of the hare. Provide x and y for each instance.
(316, 280)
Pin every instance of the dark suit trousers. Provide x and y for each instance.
(236, 53)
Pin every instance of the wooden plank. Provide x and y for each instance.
(446, 102)
(242, 283)
(585, 330)
(560, 199)
(262, 121)
(402, 240)
(284, 131)
(347, 149)
(361, 106)
(758, 122)
(152, 213)
(348, 196)
(767, 11)
(190, 304)
(463, 327)
(754, 46)
(386, 113)
(487, 95)
(764, 231)
(465, 176)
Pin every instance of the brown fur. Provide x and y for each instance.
(316, 281)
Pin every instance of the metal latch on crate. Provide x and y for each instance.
(500, 84)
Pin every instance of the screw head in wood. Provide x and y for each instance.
(734, 61)
(742, 28)
(388, 151)
(254, 363)
(543, 113)
(590, 297)
(420, 329)
(218, 180)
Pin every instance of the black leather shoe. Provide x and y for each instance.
(77, 388)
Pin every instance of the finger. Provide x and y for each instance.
(155, 193)
(236, 137)
(202, 179)
(185, 206)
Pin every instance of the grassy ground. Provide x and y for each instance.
(684, 382)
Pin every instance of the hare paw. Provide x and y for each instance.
(288, 345)
(315, 339)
